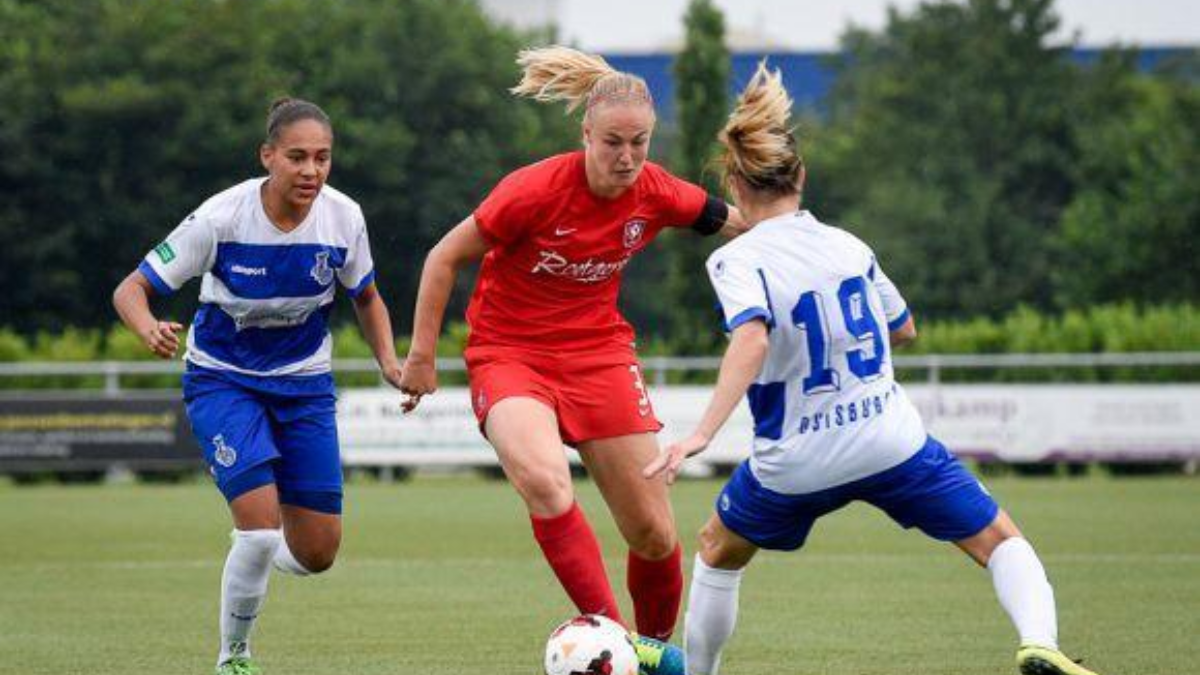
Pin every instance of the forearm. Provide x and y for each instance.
(903, 335)
(376, 326)
(437, 279)
(740, 366)
(132, 303)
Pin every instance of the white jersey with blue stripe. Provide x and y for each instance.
(266, 294)
(827, 409)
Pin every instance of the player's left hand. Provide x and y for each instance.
(162, 338)
(670, 458)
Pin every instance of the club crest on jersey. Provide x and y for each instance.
(634, 230)
(321, 272)
(224, 455)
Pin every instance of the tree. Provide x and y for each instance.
(949, 150)
(1131, 231)
(123, 115)
(702, 93)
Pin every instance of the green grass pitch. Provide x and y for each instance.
(441, 576)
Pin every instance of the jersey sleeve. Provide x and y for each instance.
(358, 272)
(685, 204)
(188, 252)
(504, 214)
(741, 290)
(895, 309)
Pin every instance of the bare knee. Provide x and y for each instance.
(524, 433)
(722, 549)
(547, 492)
(981, 545)
(712, 552)
(653, 539)
(317, 557)
(319, 562)
(313, 541)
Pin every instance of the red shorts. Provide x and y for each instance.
(592, 397)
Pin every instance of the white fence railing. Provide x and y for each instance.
(115, 423)
(657, 368)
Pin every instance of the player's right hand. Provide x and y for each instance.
(162, 339)
(418, 377)
(670, 458)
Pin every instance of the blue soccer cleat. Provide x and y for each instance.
(658, 658)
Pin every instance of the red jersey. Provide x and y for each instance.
(551, 279)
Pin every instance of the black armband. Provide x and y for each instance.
(712, 217)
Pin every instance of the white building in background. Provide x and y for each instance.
(752, 35)
(525, 14)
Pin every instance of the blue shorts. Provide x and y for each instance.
(256, 431)
(930, 490)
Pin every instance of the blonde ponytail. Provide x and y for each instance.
(558, 73)
(760, 148)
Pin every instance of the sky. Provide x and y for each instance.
(801, 25)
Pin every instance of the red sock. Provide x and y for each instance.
(571, 548)
(657, 590)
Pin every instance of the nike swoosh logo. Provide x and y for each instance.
(562, 232)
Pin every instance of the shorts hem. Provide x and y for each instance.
(323, 500)
(762, 545)
(251, 478)
(658, 426)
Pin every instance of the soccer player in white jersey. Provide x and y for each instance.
(258, 387)
(811, 315)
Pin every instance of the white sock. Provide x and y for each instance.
(286, 562)
(1024, 592)
(711, 615)
(244, 588)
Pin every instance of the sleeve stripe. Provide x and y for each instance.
(767, 294)
(899, 321)
(749, 315)
(160, 286)
(362, 285)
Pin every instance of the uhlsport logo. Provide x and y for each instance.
(725, 503)
(634, 230)
(225, 455)
(321, 272)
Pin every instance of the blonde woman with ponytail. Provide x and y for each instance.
(550, 359)
(813, 319)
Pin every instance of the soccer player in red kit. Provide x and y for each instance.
(550, 358)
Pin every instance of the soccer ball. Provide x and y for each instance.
(591, 645)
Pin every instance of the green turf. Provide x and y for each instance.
(440, 576)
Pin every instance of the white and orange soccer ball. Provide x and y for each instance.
(591, 645)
